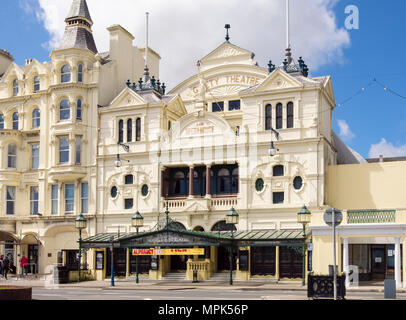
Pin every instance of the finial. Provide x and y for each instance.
(153, 82)
(128, 83)
(227, 26)
(140, 83)
(134, 86)
(271, 66)
(285, 64)
(158, 85)
(163, 88)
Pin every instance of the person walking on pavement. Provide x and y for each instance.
(6, 265)
(24, 265)
(1, 264)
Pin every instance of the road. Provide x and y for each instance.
(192, 294)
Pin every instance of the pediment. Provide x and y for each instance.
(278, 80)
(177, 106)
(227, 50)
(12, 70)
(202, 123)
(35, 66)
(127, 98)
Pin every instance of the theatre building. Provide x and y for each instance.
(97, 135)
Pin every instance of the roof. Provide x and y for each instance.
(79, 9)
(79, 38)
(345, 155)
(392, 159)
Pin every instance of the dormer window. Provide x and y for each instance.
(80, 73)
(36, 84)
(15, 87)
(65, 73)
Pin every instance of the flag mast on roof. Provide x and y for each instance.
(146, 70)
(288, 49)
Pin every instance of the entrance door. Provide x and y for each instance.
(33, 258)
(120, 262)
(263, 260)
(179, 263)
(223, 260)
(290, 262)
(378, 262)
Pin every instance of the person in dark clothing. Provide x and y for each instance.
(6, 265)
(1, 264)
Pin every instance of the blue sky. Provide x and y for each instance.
(376, 51)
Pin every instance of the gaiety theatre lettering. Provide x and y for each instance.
(229, 79)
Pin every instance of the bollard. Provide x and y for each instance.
(390, 289)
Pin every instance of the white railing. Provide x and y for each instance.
(224, 202)
(175, 204)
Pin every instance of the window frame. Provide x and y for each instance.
(84, 199)
(268, 117)
(276, 167)
(15, 87)
(279, 116)
(15, 120)
(1, 121)
(64, 109)
(71, 200)
(60, 151)
(230, 108)
(34, 200)
(66, 76)
(121, 131)
(54, 201)
(79, 109)
(78, 149)
(80, 73)
(36, 118)
(36, 84)
(33, 167)
(276, 196)
(219, 106)
(11, 158)
(12, 201)
(129, 130)
(290, 112)
(138, 129)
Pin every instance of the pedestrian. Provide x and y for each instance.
(6, 265)
(1, 264)
(24, 265)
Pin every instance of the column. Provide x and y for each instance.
(346, 261)
(398, 278)
(277, 262)
(208, 182)
(191, 180)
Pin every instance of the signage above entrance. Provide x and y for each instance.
(168, 252)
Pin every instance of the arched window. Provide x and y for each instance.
(129, 179)
(268, 117)
(36, 118)
(138, 129)
(15, 87)
(278, 171)
(234, 181)
(65, 73)
(12, 156)
(79, 109)
(64, 110)
(129, 130)
(1, 121)
(223, 226)
(120, 131)
(15, 121)
(80, 72)
(289, 119)
(199, 181)
(179, 185)
(279, 118)
(36, 84)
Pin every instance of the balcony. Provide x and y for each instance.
(67, 173)
(200, 204)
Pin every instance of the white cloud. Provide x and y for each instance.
(345, 131)
(387, 149)
(183, 31)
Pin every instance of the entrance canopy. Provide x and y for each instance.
(173, 236)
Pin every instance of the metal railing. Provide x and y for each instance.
(371, 216)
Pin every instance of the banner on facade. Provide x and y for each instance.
(169, 252)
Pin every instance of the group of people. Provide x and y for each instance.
(6, 266)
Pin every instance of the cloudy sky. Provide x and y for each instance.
(183, 31)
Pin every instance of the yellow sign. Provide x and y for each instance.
(168, 252)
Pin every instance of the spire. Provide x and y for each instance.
(288, 53)
(79, 9)
(146, 70)
(78, 31)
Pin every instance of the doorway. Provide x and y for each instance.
(179, 263)
(120, 262)
(33, 258)
(263, 261)
(290, 262)
(378, 266)
(223, 259)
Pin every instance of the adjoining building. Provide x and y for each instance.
(97, 134)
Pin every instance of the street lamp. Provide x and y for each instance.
(303, 217)
(232, 218)
(80, 224)
(137, 221)
(272, 150)
(118, 162)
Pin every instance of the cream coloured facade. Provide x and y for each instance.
(101, 137)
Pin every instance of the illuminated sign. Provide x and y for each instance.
(168, 252)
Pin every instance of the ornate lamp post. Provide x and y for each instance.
(80, 224)
(303, 217)
(137, 221)
(272, 150)
(232, 218)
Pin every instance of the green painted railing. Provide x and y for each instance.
(370, 216)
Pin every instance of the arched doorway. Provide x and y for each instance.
(223, 254)
(30, 245)
(198, 228)
(8, 247)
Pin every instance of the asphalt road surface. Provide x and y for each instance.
(192, 294)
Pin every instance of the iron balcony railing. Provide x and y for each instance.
(371, 216)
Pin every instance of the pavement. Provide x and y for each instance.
(146, 284)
